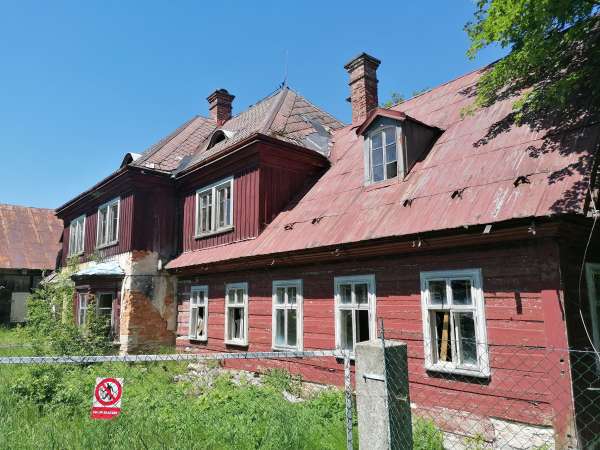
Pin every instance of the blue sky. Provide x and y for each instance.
(83, 83)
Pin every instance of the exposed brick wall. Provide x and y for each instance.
(363, 86)
(515, 278)
(142, 326)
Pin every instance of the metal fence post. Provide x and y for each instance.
(348, 392)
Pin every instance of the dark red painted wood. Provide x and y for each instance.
(515, 317)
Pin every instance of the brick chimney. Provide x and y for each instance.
(363, 86)
(219, 105)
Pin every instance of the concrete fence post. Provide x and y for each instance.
(383, 405)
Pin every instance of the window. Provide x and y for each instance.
(454, 328)
(287, 315)
(214, 208)
(593, 282)
(199, 313)
(383, 155)
(354, 310)
(76, 236)
(104, 305)
(236, 314)
(108, 224)
(82, 300)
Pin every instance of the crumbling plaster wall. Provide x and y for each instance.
(148, 313)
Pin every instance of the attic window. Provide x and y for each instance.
(218, 136)
(383, 155)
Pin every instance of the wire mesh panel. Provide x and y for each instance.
(470, 395)
(208, 401)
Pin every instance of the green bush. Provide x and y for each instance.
(426, 436)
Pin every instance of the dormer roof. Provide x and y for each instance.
(391, 114)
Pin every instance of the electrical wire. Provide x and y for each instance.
(596, 214)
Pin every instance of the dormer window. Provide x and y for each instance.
(393, 143)
(383, 155)
(214, 208)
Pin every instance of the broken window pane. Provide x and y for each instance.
(346, 338)
(200, 318)
(105, 301)
(461, 292)
(280, 327)
(291, 327)
(467, 347)
(443, 335)
(236, 323)
(346, 293)
(361, 291)
(362, 325)
(437, 292)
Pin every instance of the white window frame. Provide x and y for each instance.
(193, 328)
(482, 368)
(244, 304)
(109, 222)
(77, 226)
(298, 306)
(594, 300)
(213, 188)
(371, 307)
(383, 130)
(82, 296)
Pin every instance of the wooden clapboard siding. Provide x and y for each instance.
(515, 317)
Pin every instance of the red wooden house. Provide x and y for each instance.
(282, 228)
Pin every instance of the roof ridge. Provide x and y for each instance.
(270, 118)
(264, 99)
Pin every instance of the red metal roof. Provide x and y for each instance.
(29, 237)
(466, 159)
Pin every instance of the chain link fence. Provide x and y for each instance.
(505, 397)
(237, 400)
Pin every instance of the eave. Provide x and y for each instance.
(501, 233)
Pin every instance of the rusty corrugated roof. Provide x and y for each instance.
(29, 237)
(479, 158)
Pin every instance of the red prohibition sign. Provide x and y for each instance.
(114, 397)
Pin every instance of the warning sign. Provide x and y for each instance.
(107, 398)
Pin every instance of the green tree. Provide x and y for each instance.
(554, 60)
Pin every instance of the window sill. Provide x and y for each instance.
(277, 348)
(110, 244)
(75, 254)
(196, 339)
(237, 343)
(214, 233)
(457, 371)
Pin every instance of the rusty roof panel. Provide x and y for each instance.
(29, 237)
(497, 171)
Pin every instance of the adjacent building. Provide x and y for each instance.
(29, 245)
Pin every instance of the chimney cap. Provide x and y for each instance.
(362, 58)
(221, 94)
